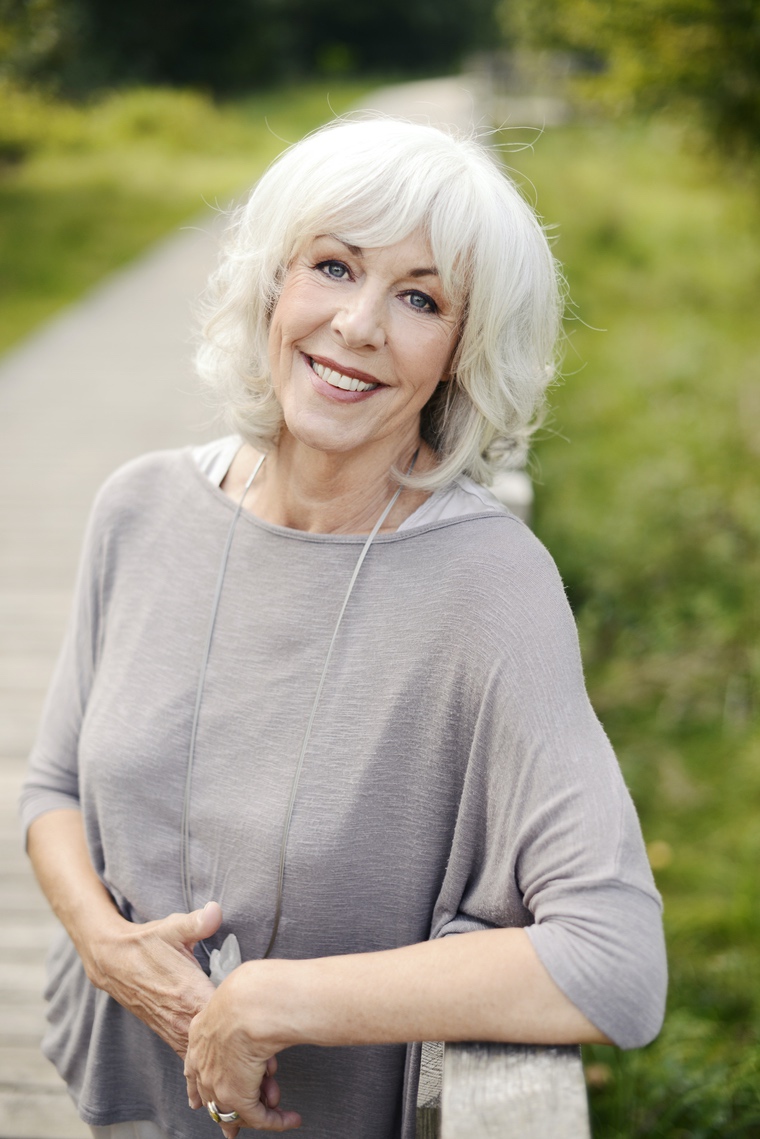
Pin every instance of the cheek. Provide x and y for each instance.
(279, 355)
(274, 344)
(436, 357)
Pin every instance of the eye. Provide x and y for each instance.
(421, 302)
(337, 270)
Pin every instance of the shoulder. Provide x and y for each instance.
(483, 537)
(151, 485)
(492, 547)
(489, 581)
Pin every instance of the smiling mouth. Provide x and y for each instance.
(338, 380)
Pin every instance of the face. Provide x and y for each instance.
(359, 340)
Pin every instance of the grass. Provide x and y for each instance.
(648, 500)
(84, 189)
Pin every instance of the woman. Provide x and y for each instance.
(323, 693)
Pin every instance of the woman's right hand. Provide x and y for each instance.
(150, 969)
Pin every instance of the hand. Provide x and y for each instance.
(150, 970)
(226, 1062)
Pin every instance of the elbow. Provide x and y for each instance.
(626, 1009)
(617, 980)
(643, 1010)
(629, 1004)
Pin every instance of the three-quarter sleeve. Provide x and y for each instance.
(547, 835)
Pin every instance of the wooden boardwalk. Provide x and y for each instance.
(107, 380)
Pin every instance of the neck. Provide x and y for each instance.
(320, 493)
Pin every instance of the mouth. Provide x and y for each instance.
(349, 381)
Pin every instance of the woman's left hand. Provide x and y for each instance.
(228, 1063)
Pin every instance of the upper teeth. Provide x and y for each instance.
(338, 380)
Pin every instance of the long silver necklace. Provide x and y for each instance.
(223, 961)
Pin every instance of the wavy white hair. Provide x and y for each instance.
(373, 182)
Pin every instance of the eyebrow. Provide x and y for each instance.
(359, 252)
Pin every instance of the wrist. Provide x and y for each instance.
(95, 940)
(279, 998)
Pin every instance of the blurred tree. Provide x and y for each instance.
(30, 31)
(702, 54)
(236, 44)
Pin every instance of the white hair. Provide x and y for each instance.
(373, 182)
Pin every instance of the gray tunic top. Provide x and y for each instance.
(456, 777)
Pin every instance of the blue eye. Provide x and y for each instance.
(335, 269)
(421, 302)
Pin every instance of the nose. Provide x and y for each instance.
(360, 319)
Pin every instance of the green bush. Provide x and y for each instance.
(30, 122)
(648, 500)
(180, 120)
(699, 57)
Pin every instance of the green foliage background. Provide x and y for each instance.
(234, 45)
(701, 57)
(647, 497)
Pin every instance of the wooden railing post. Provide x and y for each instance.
(504, 1091)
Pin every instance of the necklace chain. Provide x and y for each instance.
(185, 871)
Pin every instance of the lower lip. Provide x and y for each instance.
(340, 395)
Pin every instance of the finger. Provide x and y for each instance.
(229, 1130)
(257, 1114)
(187, 929)
(272, 1119)
(209, 919)
(271, 1065)
(270, 1091)
(193, 1095)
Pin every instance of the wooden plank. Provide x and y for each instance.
(428, 1123)
(20, 893)
(22, 976)
(22, 939)
(41, 1114)
(504, 1091)
(22, 1022)
(24, 1066)
(429, 1090)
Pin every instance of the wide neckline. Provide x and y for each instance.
(249, 519)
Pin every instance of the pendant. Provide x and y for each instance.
(223, 961)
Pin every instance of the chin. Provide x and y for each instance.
(321, 437)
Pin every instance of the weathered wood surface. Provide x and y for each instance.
(508, 1091)
(33, 1101)
(429, 1090)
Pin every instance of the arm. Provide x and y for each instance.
(488, 985)
(150, 968)
(545, 825)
